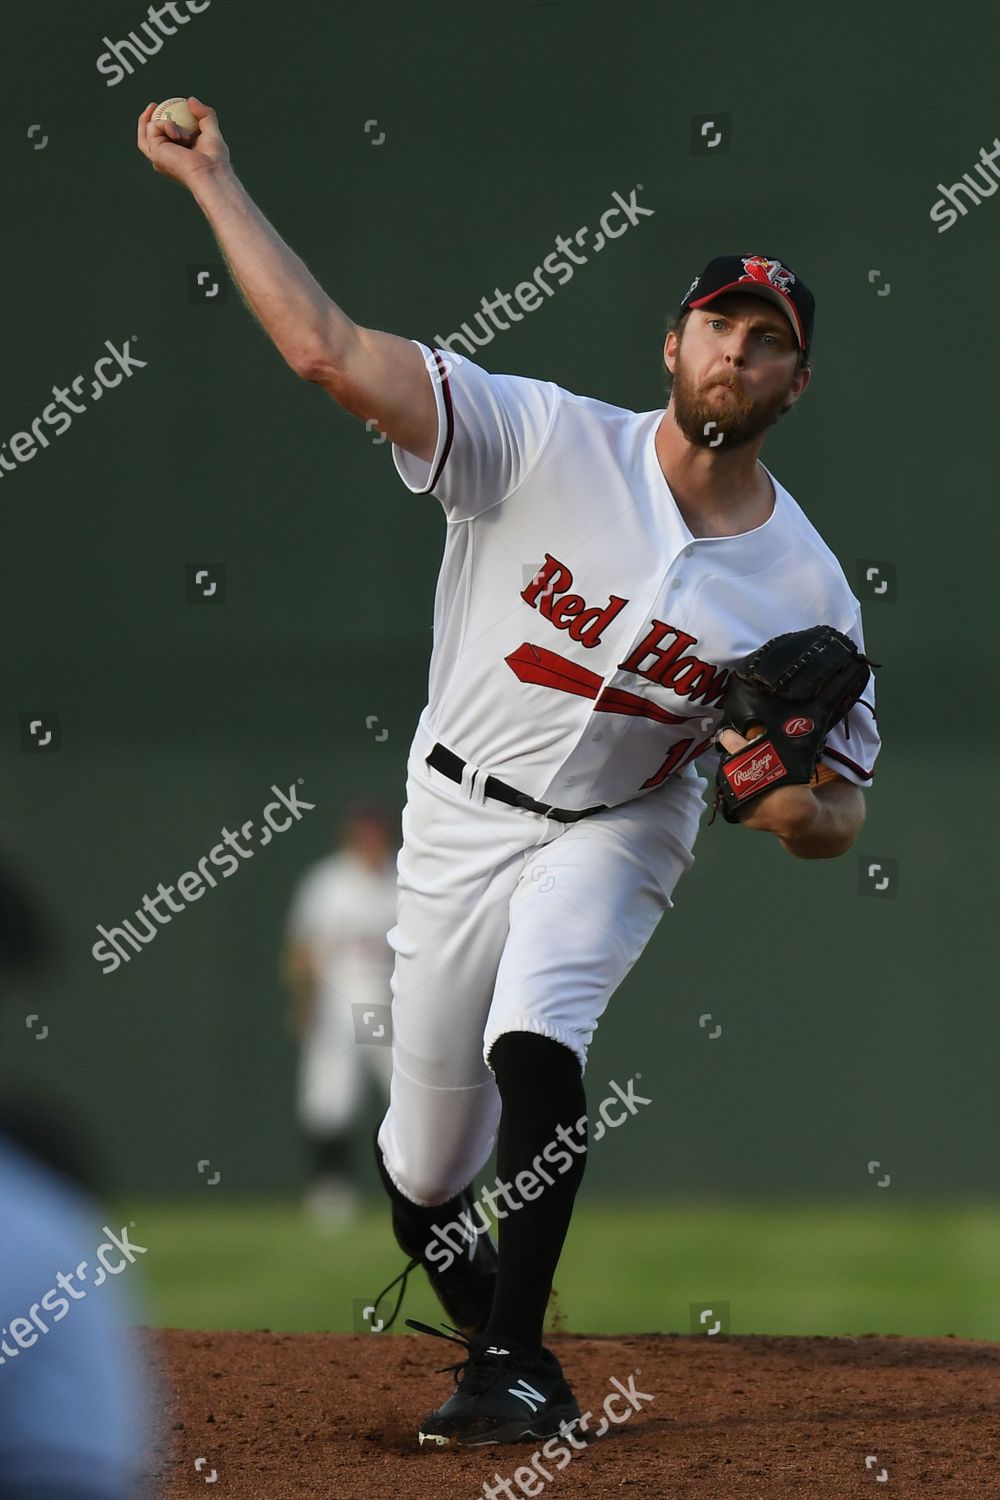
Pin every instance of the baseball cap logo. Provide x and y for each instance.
(759, 268)
(797, 725)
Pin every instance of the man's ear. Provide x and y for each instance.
(670, 346)
(799, 384)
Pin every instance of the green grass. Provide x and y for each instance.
(812, 1269)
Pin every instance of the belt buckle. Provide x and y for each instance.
(530, 804)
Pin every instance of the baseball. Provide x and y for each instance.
(177, 111)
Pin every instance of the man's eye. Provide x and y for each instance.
(721, 323)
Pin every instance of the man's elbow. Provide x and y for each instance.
(841, 816)
(308, 365)
(830, 847)
(317, 370)
(330, 360)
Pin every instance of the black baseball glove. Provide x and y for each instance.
(797, 687)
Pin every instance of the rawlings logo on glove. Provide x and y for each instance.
(788, 694)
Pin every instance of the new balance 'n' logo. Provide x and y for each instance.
(532, 1399)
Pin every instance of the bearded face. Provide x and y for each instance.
(710, 399)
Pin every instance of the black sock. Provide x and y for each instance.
(541, 1088)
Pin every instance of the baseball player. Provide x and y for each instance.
(336, 958)
(605, 573)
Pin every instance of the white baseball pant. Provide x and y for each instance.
(509, 921)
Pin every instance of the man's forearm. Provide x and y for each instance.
(295, 312)
(836, 815)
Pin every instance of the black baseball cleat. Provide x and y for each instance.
(463, 1279)
(503, 1394)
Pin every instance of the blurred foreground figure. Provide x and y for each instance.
(75, 1397)
(338, 964)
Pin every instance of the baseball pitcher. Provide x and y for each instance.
(631, 610)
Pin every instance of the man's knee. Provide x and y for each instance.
(428, 1165)
(406, 1185)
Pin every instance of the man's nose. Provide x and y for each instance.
(735, 351)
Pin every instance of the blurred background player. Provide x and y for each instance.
(336, 959)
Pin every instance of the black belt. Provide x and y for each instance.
(452, 766)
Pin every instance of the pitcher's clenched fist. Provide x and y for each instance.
(161, 141)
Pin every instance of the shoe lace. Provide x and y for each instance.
(402, 1277)
(475, 1373)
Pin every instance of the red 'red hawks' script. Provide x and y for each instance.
(570, 612)
(661, 656)
(688, 676)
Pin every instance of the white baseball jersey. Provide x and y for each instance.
(583, 637)
(342, 910)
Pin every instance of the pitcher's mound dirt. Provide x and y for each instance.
(334, 1417)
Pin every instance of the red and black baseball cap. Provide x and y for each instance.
(763, 276)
